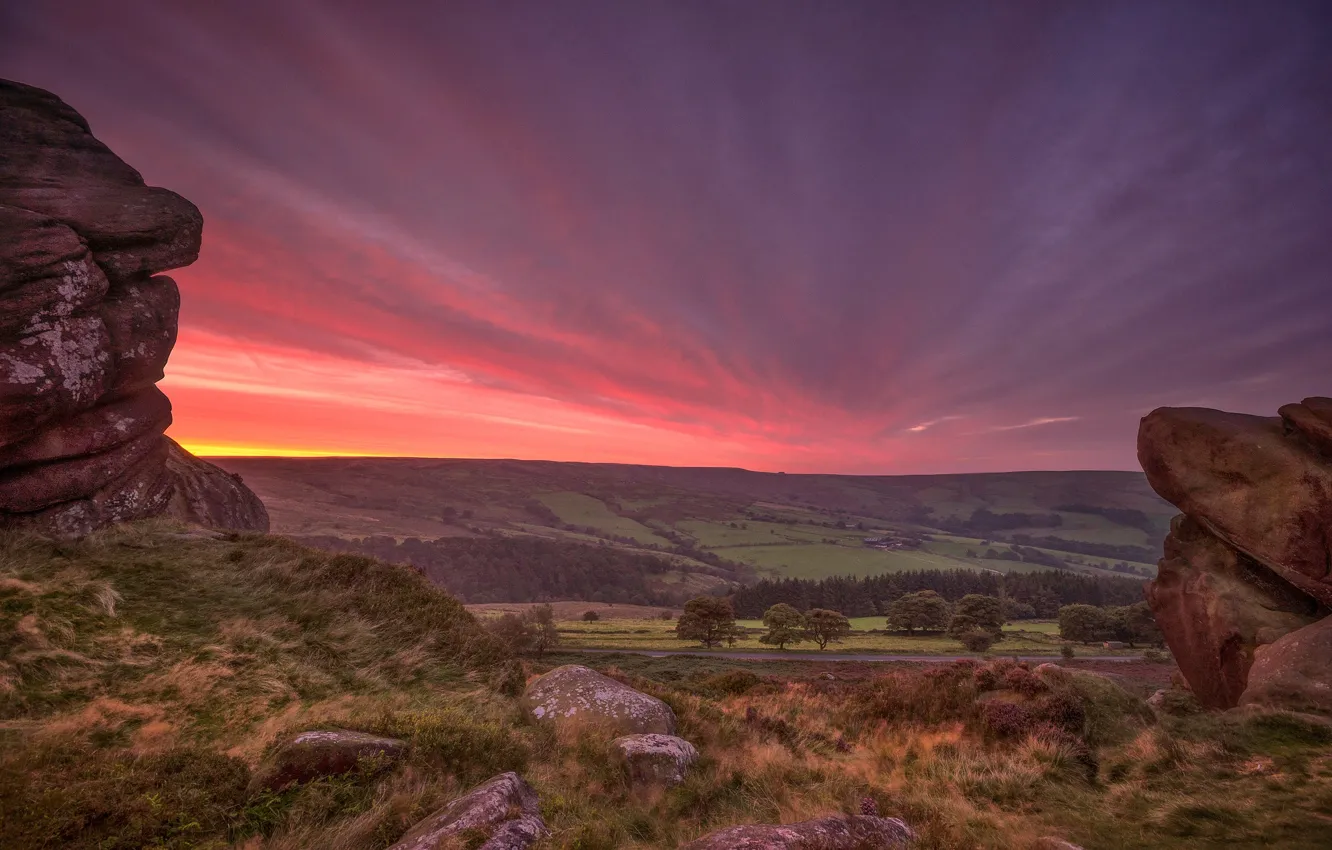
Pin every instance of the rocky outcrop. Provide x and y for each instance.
(573, 692)
(655, 759)
(1250, 560)
(504, 810)
(86, 326)
(1292, 671)
(315, 754)
(832, 833)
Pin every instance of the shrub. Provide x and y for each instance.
(1062, 710)
(1024, 681)
(1066, 651)
(591, 616)
(1007, 719)
(1155, 656)
(729, 683)
(977, 640)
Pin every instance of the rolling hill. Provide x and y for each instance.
(720, 525)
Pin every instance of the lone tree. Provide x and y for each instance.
(544, 633)
(823, 626)
(925, 610)
(591, 616)
(1083, 623)
(785, 625)
(977, 613)
(710, 620)
(514, 631)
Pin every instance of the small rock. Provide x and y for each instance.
(828, 677)
(573, 691)
(311, 755)
(656, 759)
(831, 833)
(505, 806)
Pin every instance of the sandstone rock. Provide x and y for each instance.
(855, 832)
(85, 331)
(1249, 482)
(311, 755)
(655, 759)
(576, 692)
(505, 807)
(207, 495)
(54, 165)
(1311, 419)
(1294, 672)
(1215, 606)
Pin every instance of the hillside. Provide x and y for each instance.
(146, 673)
(777, 525)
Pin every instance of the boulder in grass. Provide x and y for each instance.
(503, 813)
(326, 752)
(655, 759)
(573, 692)
(855, 832)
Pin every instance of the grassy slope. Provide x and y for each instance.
(143, 672)
(407, 497)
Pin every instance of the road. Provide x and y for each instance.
(741, 655)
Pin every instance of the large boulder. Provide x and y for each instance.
(655, 759)
(1292, 671)
(1248, 566)
(86, 326)
(1256, 482)
(855, 832)
(326, 752)
(504, 810)
(1216, 606)
(573, 692)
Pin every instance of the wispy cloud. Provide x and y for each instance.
(925, 426)
(1048, 420)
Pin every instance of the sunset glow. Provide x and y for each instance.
(472, 230)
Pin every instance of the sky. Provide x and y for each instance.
(879, 237)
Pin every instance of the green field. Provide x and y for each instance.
(1028, 638)
(578, 509)
(781, 525)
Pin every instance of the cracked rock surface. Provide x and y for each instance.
(86, 326)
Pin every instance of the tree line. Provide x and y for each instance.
(1045, 591)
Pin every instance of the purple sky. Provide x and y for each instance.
(832, 236)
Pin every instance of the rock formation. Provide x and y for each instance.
(655, 759)
(1247, 575)
(502, 813)
(574, 692)
(320, 753)
(86, 325)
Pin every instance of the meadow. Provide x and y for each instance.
(148, 670)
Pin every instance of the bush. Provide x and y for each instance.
(1066, 652)
(1007, 719)
(591, 616)
(1155, 656)
(977, 640)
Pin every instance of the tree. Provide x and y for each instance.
(823, 626)
(544, 633)
(710, 620)
(1046, 603)
(591, 616)
(514, 632)
(785, 625)
(975, 612)
(1082, 623)
(924, 609)
(1015, 610)
(1134, 624)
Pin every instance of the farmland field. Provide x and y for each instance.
(798, 526)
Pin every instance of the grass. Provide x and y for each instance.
(146, 671)
(583, 510)
(1037, 638)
